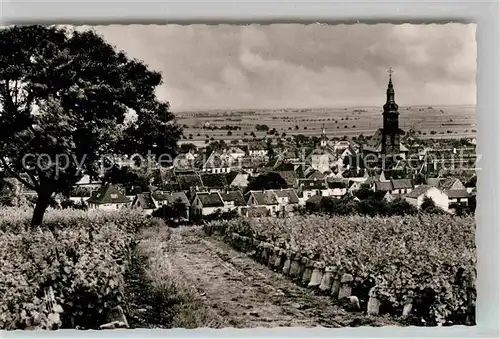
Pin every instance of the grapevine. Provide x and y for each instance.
(411, 255)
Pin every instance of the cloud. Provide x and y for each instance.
(292, 65)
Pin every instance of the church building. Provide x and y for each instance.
(387, 140)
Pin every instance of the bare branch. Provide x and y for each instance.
(16, 175)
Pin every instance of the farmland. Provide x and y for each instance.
(449, 121)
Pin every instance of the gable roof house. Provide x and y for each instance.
(311, 187)
(214, 181)
(108, 197)
(238, 180)
(257, 148)
(322, 161)
(416, 197)
(171, 199)
(220, 163)
(187, 182)
(401, 186)
(337, 187)
(290, 177)
(233, 200)
(205, 203)
(451, 184)
(458, 196)
(235, 152)
(278, 202)
(254, 211)
(145, 202)
(394, 186)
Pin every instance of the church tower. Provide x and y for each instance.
(324, 139)
(390, 130)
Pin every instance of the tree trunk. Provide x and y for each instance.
(42, 202)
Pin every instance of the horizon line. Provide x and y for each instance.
(307, 108)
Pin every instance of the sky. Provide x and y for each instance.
(208, 67)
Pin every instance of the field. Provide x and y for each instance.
(446, 121)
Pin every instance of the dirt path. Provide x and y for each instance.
(248, 294)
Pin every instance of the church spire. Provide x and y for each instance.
(324, 139)
(390, 104)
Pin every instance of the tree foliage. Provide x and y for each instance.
(266, 181)
(69, 93)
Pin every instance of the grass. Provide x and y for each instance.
(157, 296)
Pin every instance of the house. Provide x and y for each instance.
(315, 174)
(401, 186)
(145, 202)
(311, 187)
(287, 199)
(171, 199)
(86, 181)
(251, 164)
(336, 188)
(187, 182)
(277, 202)
(233, 200)
(353, 186)
(235, 152)
(261, 198)
(254, 211)
(212, 182)
(108, 198)
(416, 197)
(219, 163)
(393, 186)
(257, 149)
(314, 202)
(206, 203)
(345, 157)
(322, 162)
(458, 196)
(451, 184)
(290, 177)
(238, 180)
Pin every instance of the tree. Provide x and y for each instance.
(266, 181)
(65, 97)
(229, 133)
(263, 128)
(185, 148)
(399, 206)
(428, 206)
(128, 178)
(271, 153)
